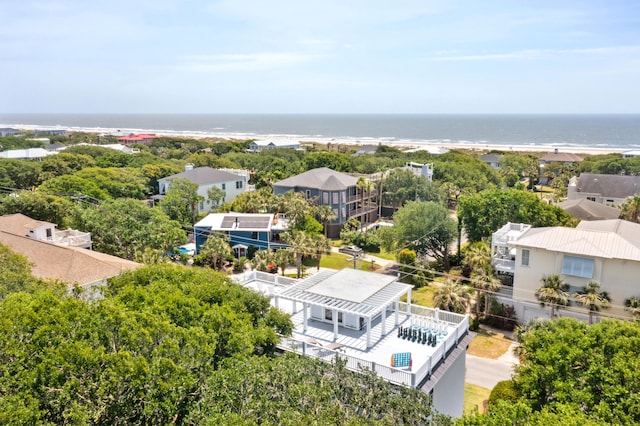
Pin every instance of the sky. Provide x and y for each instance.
(297, 56)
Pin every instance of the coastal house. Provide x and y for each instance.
(604, 189)
(604, 251)
(50, 132)
(60, 255)
(420, 169)
(338, 190)
(232, 183)
(492, 160)
(257, 146)
(359, 317)
(631, 154)
(584, 209)
(245, 230)
(34, 154)
(140, 138)
(560, 157)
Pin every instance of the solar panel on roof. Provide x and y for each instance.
(254, 222)
(227, 222)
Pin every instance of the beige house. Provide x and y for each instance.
(605, 251)
(62, 259)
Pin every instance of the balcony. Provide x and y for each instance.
(71, 238)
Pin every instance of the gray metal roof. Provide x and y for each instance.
(322, 178)
(205, 175)
(323, 289)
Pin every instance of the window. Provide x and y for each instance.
(335, 212)
(610, 201)
(307, 193)
(591, 198)
(525, 257)
(325, 198)
(238, 184)
(201, 206)
(578, 266)
(224, 186)
(335, 198)
(344, 197)
(344, 212)
(254, 235)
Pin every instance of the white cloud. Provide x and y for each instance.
(243, 62)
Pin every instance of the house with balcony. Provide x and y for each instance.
(245, 230)
(491, 160)
(22, 225)
(560, 157)
(359, 317)
(420, 169)
(232, 182)
(605, 189)
(503, 250)
(338, 190)
(60, 255)
(604, 251)
(141, 138)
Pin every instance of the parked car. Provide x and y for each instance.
(352, 250)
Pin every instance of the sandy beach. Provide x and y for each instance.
(435, 147)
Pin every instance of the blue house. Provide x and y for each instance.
(338, 190)
(245, 230)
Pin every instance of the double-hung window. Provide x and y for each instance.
(525, 257)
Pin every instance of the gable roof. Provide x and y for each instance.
(67, 264)
(206, 175)
(614, 186)
(589, 210)
(490, 158)
(609, 239)
(561, 157)
(322, 178)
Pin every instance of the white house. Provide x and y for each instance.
(232, 183)
(420, 169)
(358, 316)
(257, 146)
(36, 154)
(604, 251)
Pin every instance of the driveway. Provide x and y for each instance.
(486, 373)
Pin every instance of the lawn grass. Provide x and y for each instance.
(422, 296)
(489, 344)
(339, 261)
(474, 396)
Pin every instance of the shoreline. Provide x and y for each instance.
(408, 145)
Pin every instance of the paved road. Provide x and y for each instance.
(487, 372)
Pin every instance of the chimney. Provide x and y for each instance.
(188, 167)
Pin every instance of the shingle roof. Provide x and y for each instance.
(561, 157)
(18, 224)
(67, 264)
(322, 178)
(490, 158)
(610, 239)
(206, 175)
(614, 186)
(589, 210)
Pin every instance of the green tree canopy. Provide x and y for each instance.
(71, 185)
(118, 182)
(39, 206)
(181, 201)
(126, 228)
(484, 213)
(19, 174)
(424, 227)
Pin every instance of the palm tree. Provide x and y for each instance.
(483, 280)
(325, 214)
(261, 260)
(282, 258)
(216, 248)
(320, 245)
(633, 305)
(300, 243)
(477, 257)
(364, 185)
(592, 299)
(453, 296)
(554, 292)
(630, 209)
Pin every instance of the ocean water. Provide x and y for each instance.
(594, 131)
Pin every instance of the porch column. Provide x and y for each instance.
(305, 305)
(384, 320)
(334, 316)
(368, 332)
(409, 302)
(397, 308)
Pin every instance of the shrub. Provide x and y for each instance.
(503, 391)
